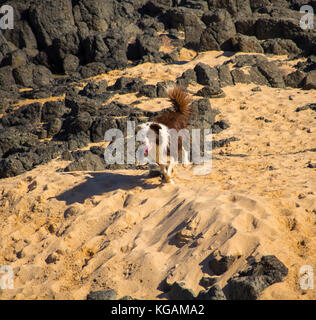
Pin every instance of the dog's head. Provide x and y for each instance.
(148, 133)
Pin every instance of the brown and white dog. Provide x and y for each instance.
(156, 134)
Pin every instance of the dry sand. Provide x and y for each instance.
(129, 233)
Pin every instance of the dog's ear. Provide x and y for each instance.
(155, 127)
(137, 129)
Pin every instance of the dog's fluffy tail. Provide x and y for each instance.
(180, 100)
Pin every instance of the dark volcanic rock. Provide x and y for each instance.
(31, 75)
(6, 78)
(188, 77)
(99, 151)
(15, 59)
(116, 109)
(187, 20)
(220, 264)
(310, 81)
(219, 126)
(170, 57)
(311, 106)
(29, 114)
(148, 90)
(239, 76)
(10, 167)
(82, 122)
(92, 69)
(205, 74)
(67, 156)
(202, 115)
(12, 139)
(53, 109)
(295, 79)
(207, 282)
(233, 6)
(79, 104)
(100, 126)
(28, 155)
(214, 293)
(281, 47)
(102, 295)
(94, 16)
(179, 18)
(147, 44)
(42, 76)
(41, 133)
(307, 65)
(23, 75)
(88, 162)
(5, 48)
(127, 85)
(108, 48)
(247, 60)
(246, 44)
(54, 127)
(164, 87)
(49, 22)
(179, 292)
(94, 89)
(272, 73)
(282, 27)
(154, 7)
(213, 91)
(70, 63)
(193, 35)
(248, 284)
(223, 142)
(41, 93)
(225, 77)
(64, 51)
(77, 140)
(257, 77)
(220, 29)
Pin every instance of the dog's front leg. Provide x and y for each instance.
(165, 176)
(168, 172)
(186, 158)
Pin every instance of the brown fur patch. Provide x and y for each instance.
(176, 119)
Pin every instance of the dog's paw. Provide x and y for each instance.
(164, 181)
(167, 179)
(186, 164)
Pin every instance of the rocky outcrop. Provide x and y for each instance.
(246, 284)
(68, 37)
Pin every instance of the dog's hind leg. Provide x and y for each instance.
(163, 170)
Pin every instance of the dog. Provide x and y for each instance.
(157, 137)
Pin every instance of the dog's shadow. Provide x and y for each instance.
(99, 183)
